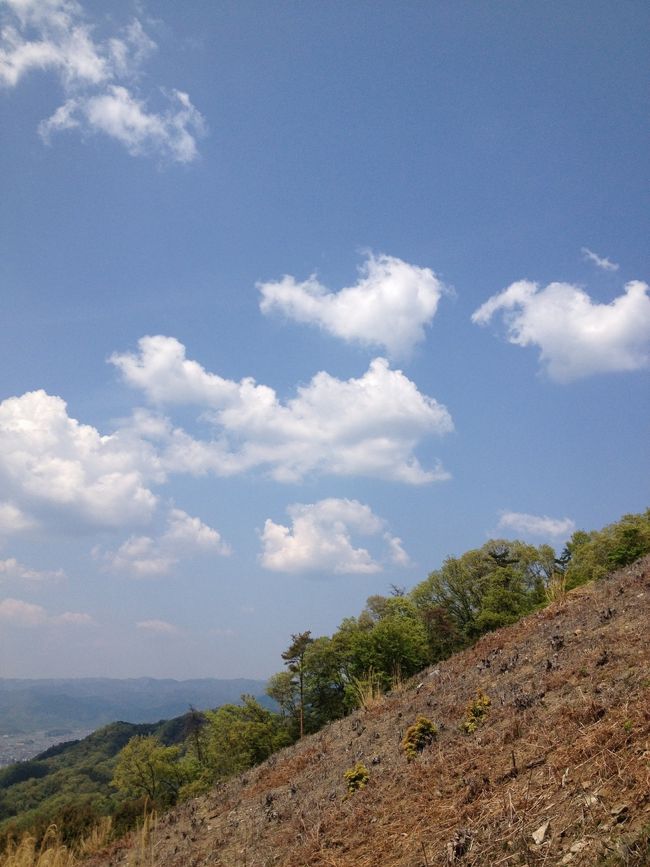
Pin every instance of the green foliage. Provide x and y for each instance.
(69, 785)
(240, 736)
(356, 778)
(476, 713)
(593, 555)
(146, 768)
(386, 639)
(418, 736)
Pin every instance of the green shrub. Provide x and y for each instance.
(356, 777)
(476, 712)
(418, 736)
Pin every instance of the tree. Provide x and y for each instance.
(194, 723)
(593, 555)
(240, 736)
(282, 688)
(294, 659)
(146, 768)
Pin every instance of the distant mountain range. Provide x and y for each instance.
(37, 705)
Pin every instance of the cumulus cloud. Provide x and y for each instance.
(599, 261)
(51, 463)
(12, 570)
(146, 557)
(367, 426)
(15, 612)
(576, 336)
(157, 627)
(389, 306)
(320, 539)
(97, 76)
(536, 525)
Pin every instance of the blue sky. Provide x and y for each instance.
(300, 299)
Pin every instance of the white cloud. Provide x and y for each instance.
(319, 539)
(54, 35)
(187, 533)
(12, 570)
(162, 370)
(577, 337)
(389, 306)
(536, 525)
(139, 556)
(398, 555)
(599, 261)
(15, 612)
(52, 463)
(13, 519)
(157, 627)
(368, 426)
(124, 117)
(145, 557)
(18, 613)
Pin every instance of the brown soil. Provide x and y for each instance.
(558, 772)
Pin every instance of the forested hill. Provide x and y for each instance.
(34, 705)
(70, 776)
(530, 747)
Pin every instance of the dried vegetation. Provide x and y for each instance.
(558, 771)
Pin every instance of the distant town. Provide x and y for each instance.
(19, 748)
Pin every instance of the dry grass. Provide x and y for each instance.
(51, 853)
(367, 690)
(143, 848)
(98, 838)
(556, 589)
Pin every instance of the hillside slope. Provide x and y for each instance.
(558, 773)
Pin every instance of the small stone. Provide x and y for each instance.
(540, 834)
(578, 846)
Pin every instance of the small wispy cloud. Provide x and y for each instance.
(12, 570)
(536, 525)
(74, 618)
(157, 627)
(599, 261)
(16, 612)
(13, 519)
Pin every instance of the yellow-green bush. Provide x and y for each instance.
(356, 777)
(418, 736)
(476, 712)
